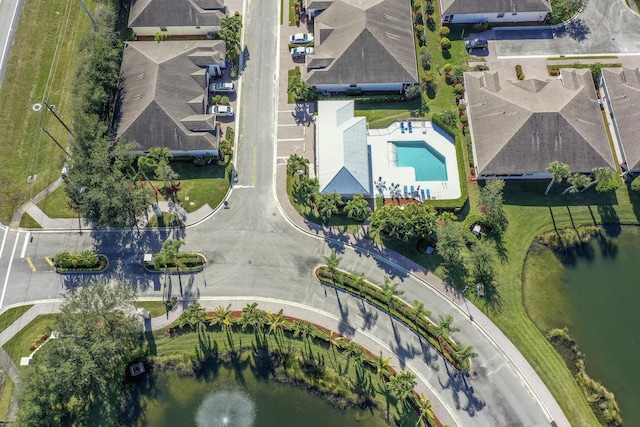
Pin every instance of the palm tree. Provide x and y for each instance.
(558, 171)
(169, 254)
(88, 258)
(62, 259)
(305, 330)
(577, 181)
(358, 283)
(192, 316)
(328, 205)
(425, 408)
(353, 350)
(444, 328)
(463, 355)
(401, 385)
(297, 163)
(390, 291)
(333, 261)
(275, 322)
(418, 311)
(382, 365)
(222, 316)
(358, 208)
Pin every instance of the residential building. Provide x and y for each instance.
(176, 17)
(363, 44)
(162, 99)
(621, 87)
(495, 11)
(519, 127)
(342, 162)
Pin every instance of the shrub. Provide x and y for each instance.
(479, 28)
(458, 88)
(444, 32)
(464, 119)
(519, 72)
(354, 91)
(424, 56)
(160, 37)
(447, 68)
(416, 5)
(480, 67)
(445, 43)
(635, 184)
(224, 100)
(462, 108)
(429, 9)
(431, 23)
(419, 32)
(418, 19)
(216, 99)
(412, 92)
(426, 79)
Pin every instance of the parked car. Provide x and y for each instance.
(476, 44)
(222, 87)
(301, 38)
(221, 110)
(302, 51)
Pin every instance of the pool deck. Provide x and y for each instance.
(387, 176)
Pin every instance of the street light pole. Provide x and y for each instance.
(55, 140)
(57, 117)
(93, 22)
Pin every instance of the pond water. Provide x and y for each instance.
(237, 399)
(595, 293)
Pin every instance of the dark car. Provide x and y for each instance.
(476, 44)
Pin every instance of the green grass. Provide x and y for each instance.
(5, 396)
(56, 204)
(27, 221)
(164, 221)
(382, 115)
(292, 13)
(18, 346)
(41, 66)
(155, 308)
(11, 315)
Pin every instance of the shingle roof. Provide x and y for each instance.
(452, 7)
(623, 87)
(343, 156)
(519, 127)
(176, 13)
(364, 41)
(162, 100)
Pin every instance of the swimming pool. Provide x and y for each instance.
(428, 164)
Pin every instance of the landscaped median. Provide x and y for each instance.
(384, 299)
(85, 262)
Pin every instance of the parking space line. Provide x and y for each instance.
(33, 267)
(289, 125)
(49, 261)
(255, 162)
(290, 139)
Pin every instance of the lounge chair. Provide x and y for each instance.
(424, 197)
(428, 194)
(402, 127)
(410, 129)
(413, 191)
(406, 190)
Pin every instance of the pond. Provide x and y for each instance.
(237, 398)
(595, 293)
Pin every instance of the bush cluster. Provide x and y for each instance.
(519, 72)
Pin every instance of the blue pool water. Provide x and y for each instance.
(428, 163)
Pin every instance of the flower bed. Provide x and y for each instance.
(101, 264)
(188, 263)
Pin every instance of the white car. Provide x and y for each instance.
(302, 51)
(221, 110)
(301, 38)
(222, 87)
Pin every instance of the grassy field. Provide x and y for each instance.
(27, 221)
(11, 315)
(56, 204)
(155, 308)
(6, 394)
(19, 345)
(382, 115)
(41, 66)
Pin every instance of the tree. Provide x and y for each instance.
(306, 188)
(74, 373)
(558, 171)
(168, 256)
(426, 409)
(482, 258)
(333, 261)
(149, 163)
(297, 163)
(328, 205)
(402, 384)
(358, 208)
(445, 327)
(193, 316)
(577, 182)
(605, 180)
(424, 56)
(230, 27)
(358, 282)
(390, 291)
(275, 321)
(450, 242)
(463, 355)
(222, 316)
(418, 310)
(491, 205)
(382, 365)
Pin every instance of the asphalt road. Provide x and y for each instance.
(253, 251)
(9, 15)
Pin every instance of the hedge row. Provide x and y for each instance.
(400, 310)
(554, 70)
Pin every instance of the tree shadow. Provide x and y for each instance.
(369, 317)
(457, 382)
(609, 217)
(455, 274)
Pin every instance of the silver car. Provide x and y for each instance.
(302, 51)
(222, 87)
(301, 38)
(221, 110)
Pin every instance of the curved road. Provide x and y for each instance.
(254, 252)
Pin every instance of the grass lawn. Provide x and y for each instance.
(27, 221)
(155, 308)
(18, 346)
(165, 221)
(382, 115)
(5, 396)
(41, 66)
(11, 315)
(56, 204)
(201, 184)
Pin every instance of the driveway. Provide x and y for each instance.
(605, 27)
